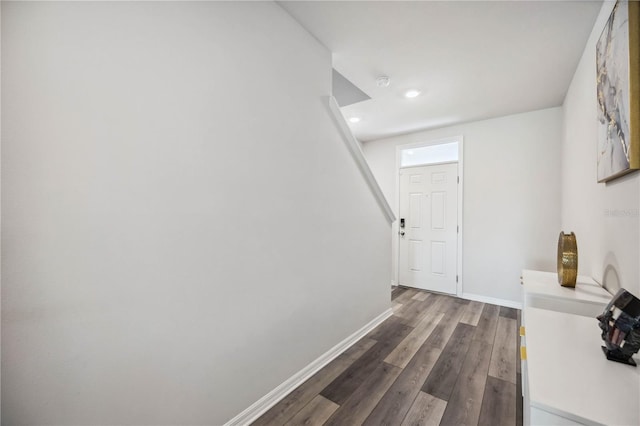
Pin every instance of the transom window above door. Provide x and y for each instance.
(431, 154)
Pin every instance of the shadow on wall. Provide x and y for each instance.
(610, 278)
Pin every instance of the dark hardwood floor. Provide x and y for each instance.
(438, 360)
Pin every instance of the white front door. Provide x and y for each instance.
(428, 239)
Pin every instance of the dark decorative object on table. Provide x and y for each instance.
(620, 324)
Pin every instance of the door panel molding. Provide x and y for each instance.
(427, 250)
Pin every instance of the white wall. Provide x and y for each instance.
(0, 215)
(511, 197)
(182, 226)
(604, 240)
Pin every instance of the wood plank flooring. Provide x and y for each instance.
(437, 360)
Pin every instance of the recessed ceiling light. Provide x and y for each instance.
(411, 93)
(354, 119)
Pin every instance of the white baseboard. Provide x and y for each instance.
(272, 398)
(393, 283)
(492, 300)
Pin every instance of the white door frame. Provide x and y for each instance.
(394, 229)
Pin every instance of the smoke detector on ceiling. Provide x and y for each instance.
(383, 81)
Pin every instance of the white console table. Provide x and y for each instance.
(541, 290)
(566, 378)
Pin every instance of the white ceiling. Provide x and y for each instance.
(471, 60)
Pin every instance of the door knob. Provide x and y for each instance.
(401, 233)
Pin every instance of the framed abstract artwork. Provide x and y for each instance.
(618, 92)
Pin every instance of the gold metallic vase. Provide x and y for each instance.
(567, 260)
